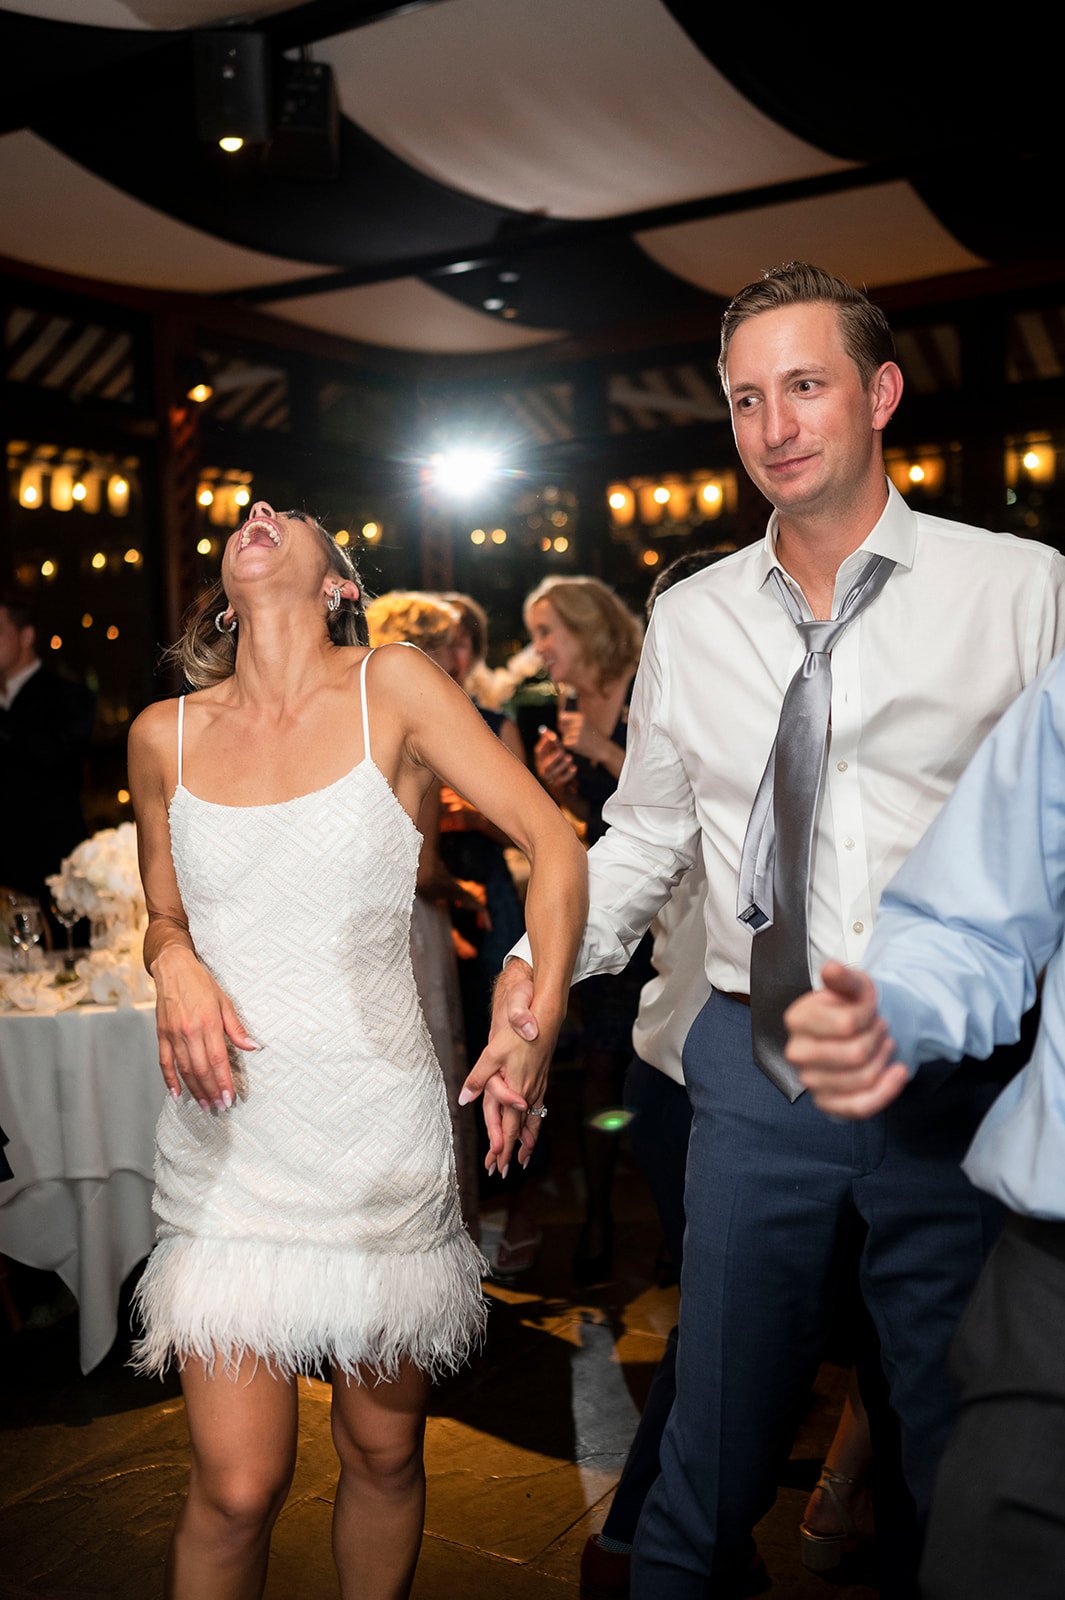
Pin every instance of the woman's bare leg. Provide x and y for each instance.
(243, 1435)
(378, 1429)
(850, 1454)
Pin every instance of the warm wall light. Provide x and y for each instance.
(132, 557)
(60, 489)
(118, 495)
(545, 543)
(205, 498)
(617, 500)
(29, 488)
(342, 536)
(47, 569)
(661, 495)
(79, 490)
(204, 547)
(650, 558)
(99, 561)
(916, 474)
(242, 496)
(561, 544)
(56, 642)
(371, 531)
(710, 494)
(499, 535)
(199, 392)
(231, 144)
(86, 619)
(112, 632)
(478, 536)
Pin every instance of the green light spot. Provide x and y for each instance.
(612, 1120)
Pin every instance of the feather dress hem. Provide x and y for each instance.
(297, 1306)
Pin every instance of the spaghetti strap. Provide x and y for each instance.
(180, 733)
(365, 715)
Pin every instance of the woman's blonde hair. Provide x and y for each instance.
(610, 635)
(409, 616)
(207, 656)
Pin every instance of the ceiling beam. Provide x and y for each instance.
(538, 233)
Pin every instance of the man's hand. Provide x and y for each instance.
(840, 1044)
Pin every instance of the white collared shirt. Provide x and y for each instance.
(15, 683)
(966, 620)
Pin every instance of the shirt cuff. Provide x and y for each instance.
(522, 951)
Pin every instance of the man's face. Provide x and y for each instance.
(16, 646)
(802, 418)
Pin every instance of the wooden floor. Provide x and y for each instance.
(523, 1450)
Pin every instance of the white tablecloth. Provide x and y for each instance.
(80, 1093)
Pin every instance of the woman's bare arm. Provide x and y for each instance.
(445, 734)
(193, 1015)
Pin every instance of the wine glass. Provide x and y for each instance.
(26, 929)
(68, 921)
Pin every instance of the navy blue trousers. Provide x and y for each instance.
(658, 1135)
(772, 1196)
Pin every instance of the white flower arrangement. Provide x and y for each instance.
(100, 878)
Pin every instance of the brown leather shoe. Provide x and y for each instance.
(604, 1573)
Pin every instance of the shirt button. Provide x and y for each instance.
(841, 766)
(848, 844)
(859, 927)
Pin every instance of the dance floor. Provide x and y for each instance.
(523, 1450)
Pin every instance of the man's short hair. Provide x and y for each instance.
(863, 326)
(19, 607)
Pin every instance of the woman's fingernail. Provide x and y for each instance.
(227, 1099)
(491, 1169)
(219, 1105)
(466, 1095)
(505, 1170)
(204, 1105)
(175, 1094)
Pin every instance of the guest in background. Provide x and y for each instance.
(45, 726)
(410, 617)
(474, 851)
(590, 643)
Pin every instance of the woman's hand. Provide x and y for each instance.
(555, 767)
(578, 735)
(194, 1018)
(513, 1070)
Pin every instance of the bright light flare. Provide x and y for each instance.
(461, 473)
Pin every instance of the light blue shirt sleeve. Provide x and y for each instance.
(975, 914)
(969, 923)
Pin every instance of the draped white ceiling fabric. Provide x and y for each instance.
(48, 201)
(514, 172)
(410, 315)
(568, 109)
(880, 235)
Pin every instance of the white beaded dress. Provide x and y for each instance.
(317, 1221)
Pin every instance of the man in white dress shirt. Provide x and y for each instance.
(965, 621)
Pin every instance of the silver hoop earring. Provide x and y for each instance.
(333, 602)
(220, 623)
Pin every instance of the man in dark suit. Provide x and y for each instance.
(45, 726)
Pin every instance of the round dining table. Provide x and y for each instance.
(80, 1093)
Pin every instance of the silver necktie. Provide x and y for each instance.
(774, 888)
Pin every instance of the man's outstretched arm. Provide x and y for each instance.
(964, 928)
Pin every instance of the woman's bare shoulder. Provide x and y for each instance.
(155, 725)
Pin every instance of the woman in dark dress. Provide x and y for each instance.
(590, 645)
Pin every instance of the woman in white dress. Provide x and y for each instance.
(304, 1177)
